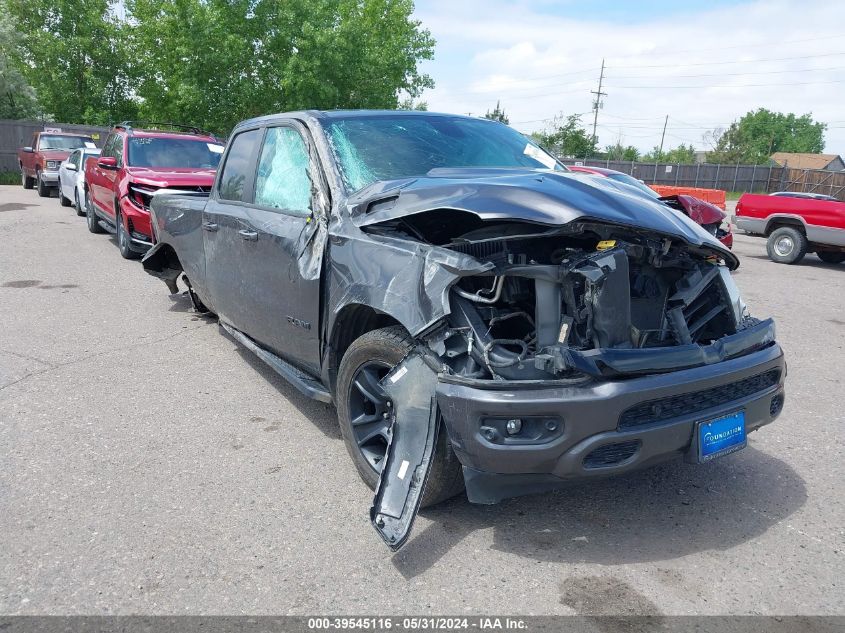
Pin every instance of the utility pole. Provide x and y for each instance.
(662, 137)
(597, 103)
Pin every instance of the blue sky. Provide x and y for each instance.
(702, 63)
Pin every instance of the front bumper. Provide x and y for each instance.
(754, 226)
(138, 225)
(599, 428)
(50, 178)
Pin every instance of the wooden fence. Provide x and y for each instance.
(751, 178)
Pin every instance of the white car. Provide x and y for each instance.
(72, 178)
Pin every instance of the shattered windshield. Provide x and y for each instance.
(386, 147)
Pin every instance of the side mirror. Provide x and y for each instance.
(27, 149)
(70, 167)
(107, 162)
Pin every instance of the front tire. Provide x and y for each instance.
(43, 189)
(786, 245)
(27, 181)
(363, 413)
(80, 211)
(831, 257)
(65, 202)
(124, 243)
(90, 216)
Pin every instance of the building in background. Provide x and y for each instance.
(828, 162)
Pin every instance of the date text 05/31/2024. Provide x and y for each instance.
(407, 623)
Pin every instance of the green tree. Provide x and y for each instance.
(409, 104)
(683, 154)
(621, 152)
(73, 54)
(216, 62)
(565, 137)
(761, 133)
(17, 98)
(497, 114)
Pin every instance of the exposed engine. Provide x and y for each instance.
(554, 303)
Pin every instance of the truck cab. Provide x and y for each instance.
(39, 161)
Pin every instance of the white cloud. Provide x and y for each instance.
(540, 64)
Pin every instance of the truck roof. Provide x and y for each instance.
(345, 114)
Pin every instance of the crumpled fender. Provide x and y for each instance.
(407, 280)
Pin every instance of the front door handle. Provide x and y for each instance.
(251, 236)
(209, 226)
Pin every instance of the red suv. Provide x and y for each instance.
(134, 165)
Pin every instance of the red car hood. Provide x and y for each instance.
(172, 177)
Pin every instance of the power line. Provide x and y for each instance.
(735, 61)
(668, 87)
(756, 72)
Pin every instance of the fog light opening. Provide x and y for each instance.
(776, 405)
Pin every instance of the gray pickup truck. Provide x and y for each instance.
(481, 317)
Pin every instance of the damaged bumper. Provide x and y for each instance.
(597, 428)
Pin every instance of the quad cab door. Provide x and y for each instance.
(260, 227)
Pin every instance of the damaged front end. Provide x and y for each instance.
(570, 309)
(594, 302)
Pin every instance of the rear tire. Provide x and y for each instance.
(379, 351)
(91, 217)
(786, 245)
(831, 257)
(123, 240)
(43, 189)
(27, 181)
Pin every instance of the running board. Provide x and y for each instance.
(299, 379)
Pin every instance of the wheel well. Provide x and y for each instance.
(777, 223)
(352, 322)
(165, 257)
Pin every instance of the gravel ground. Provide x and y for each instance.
(149, 465)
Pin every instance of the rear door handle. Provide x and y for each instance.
(251, 236)
(209, 226)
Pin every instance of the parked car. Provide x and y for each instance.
(72, 178)
(138, 162)
(706, 214)
(802, 194)
(39, 162)
(795, 226)
(422, 270)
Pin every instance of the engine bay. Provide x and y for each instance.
(553, 297)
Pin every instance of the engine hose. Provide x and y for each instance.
(505, 341)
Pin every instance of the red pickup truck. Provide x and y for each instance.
(795, 225)
(39, 162)
(135, 164)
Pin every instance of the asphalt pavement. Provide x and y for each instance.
(150, 465)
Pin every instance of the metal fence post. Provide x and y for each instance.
(677, 172)
(769, 180)
(736, 173)
(753, 173)
(697, 169)
(716, 181)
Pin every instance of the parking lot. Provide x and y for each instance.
(148, 464)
